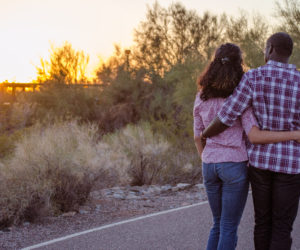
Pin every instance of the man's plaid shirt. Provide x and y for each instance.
(273, 91)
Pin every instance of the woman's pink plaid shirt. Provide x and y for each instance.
(228, 146)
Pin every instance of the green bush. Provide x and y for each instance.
(124, 100)
(64, 102)
(8, 143)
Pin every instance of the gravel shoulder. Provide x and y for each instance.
(103, 207)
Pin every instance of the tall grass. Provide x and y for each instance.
(54, 166)
(52, 170)
(146, 152)
(151, 158)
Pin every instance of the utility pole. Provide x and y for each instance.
(127, 53)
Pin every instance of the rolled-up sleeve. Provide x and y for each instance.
(237, 103)
(248, 120)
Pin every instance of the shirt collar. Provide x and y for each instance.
(281, 65)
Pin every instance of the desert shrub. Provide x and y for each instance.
(124, 100)
(116, 162)
(65, 101)
(8, 143)
(170, 110)
(21, 115)
(5, 110)
(143, 157)
(184, 77)
(52, 170)
(16, 115)
(146, 152)
(184, 164)
(5, 96)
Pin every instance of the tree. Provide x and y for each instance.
(66, 66)
(289, 15)
(124, 100)
(249, 35)
(108, 71)
(168, 36)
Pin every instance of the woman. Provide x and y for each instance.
(224, 158)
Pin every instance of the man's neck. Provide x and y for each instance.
(279, 59)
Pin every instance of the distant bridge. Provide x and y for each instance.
(34, 86)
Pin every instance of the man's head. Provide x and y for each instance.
(279, 47)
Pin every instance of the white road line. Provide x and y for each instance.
(110, 225)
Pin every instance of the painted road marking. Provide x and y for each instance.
(111, 225)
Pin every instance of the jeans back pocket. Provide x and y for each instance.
(233, 171)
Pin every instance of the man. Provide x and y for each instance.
(273, 91)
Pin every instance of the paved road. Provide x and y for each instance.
(182, 229)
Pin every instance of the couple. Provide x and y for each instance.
(263, 104)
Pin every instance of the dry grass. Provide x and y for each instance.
(54, 167)
(146, 153)
(52, 170)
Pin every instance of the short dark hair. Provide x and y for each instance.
(223, 74)
(283, 43)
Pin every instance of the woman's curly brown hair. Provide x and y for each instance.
(223, 74)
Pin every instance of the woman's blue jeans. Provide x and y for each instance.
(227, 190)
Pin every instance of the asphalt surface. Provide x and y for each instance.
(184, 229)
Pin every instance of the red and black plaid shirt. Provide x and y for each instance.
(273, 91)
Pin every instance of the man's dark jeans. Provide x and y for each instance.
(276, 200)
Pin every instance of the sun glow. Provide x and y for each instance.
(28, 28)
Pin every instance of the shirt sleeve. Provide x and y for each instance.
(237, 103)
(198, 123)
(248, 120)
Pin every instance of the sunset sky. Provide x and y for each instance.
(29, 27)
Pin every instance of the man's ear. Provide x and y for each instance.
(271, 49)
